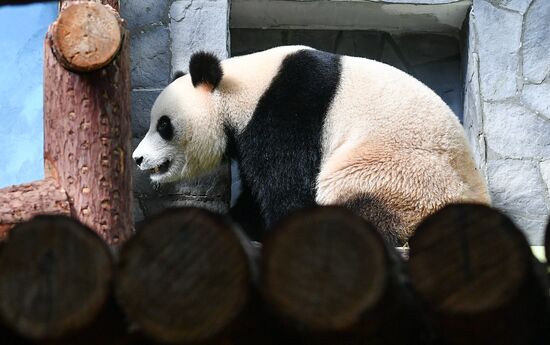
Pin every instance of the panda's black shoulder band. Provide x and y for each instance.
(205, 68)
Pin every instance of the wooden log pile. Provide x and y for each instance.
(87, 128)
(323, 276)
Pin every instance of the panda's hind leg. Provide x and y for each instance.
(374, 211)
(392, 187)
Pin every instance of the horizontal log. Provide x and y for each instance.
(478, 279)
(86, 36)
(185, 276)
(55, 276)
(22, 202)
(331, 278)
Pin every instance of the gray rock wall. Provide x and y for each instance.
(507, 106)
(164, 33)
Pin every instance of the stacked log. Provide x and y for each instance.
(55, 277)
(325, 276)
(331, 279)
(185, 276)
(475, 273)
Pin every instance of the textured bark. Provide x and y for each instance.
(113, 3)
(22, 202)
(332, 280)
(86, 36)
(185, 276)
(478, 279)
(87, 141)
(22, 2)
(54, 277)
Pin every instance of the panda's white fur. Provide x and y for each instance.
(407, 149)
(390, 148)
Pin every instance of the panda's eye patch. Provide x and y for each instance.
(165, 128)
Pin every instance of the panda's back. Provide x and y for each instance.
(376, 99)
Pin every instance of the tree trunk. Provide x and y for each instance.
(22, 2)
(478, 279)
(55, 277)
(113, 3)
(87, 139)
(185, 276)
(331, 279)
(20, 203)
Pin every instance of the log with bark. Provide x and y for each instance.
(185, 276)
(87, 121)
(55, 276)
(86, 125)
(17, 203)
(332, 279)
(476, 275)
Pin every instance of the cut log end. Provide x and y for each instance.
(468, 259)
(54, 277)
(86, 36)
(323, 268)
(184, 276)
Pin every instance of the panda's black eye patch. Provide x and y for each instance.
(165, 128)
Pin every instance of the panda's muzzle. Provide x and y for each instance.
(161, 169)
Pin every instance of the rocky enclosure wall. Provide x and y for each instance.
(507, 106)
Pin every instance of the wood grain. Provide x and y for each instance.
(86, 36)
(477, 277)
(87, 141)
(184, 277)
(332, 280)
(54, 277)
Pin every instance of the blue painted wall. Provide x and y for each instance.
(22, 30)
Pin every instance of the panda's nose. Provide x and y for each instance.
(138, 160)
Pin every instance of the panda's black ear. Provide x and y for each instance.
(177, 74)
(205, 68)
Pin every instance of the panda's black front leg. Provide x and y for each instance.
(246, 212)
(281, 189)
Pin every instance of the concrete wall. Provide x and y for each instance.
(507, 106)
(163, 36)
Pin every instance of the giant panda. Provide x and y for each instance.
(309, 127)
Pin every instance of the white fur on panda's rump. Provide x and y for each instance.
(390, 139)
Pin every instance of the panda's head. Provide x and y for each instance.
(185, 137)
